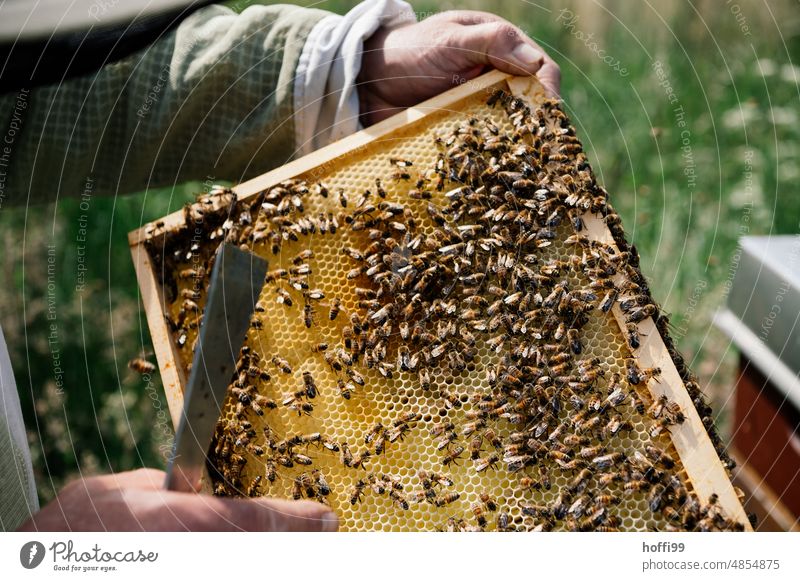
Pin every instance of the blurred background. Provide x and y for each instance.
(689, 113)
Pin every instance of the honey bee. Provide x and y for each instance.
(336, 306)
(321, 484)
(446, 498)
(632, 335)
(259, 402)
(308, 315)
(442, 427)
(608, 460)
(357, 378)
(269, 470)
(581, 480)
(252, 488)
(636, 486)
(301, 459)
(573, 338)
(310, 385)
(590, 452)
(282, 364)
(477, 510)
(488, 501)
(329, 444)
(452, 455)
(440, 479)
(284, 298)
(360, 459)
(490, 461)
(319, 347)
(615, 425)
(407, 418)
(308, 438)
(424, 495)
(354, 273)
(608, 300)
(676, 414)
(301, 407)
(332, 360)
(637, 375)
(399, 499)
(475, 445)
(297, 489)
(658, 407)
(190, 294)
(638, 314)
(197, 273)
(397, 432)
(275, 275)
(659, 456)
(141, 365)
(358, 491)
(674, 515)
(400, 162)
(503, 522)
(451, 399)
(373, 433)
(591, 375)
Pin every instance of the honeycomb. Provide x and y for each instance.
(448, 410)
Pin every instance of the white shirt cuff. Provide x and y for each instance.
(325, 96)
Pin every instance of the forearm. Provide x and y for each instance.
(212, 99)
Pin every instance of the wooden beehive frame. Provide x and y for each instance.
(691, 441)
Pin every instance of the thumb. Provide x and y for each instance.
(272, 514)
(499, 44)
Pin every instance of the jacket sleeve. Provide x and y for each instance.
(211, 100)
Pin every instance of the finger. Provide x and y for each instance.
(549, 74)
(499, 44)
(466, 17)
(176, 511)
(143, 478)
(274, 514)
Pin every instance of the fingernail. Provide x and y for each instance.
(330, 522)
(526, 54)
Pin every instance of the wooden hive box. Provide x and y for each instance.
(480, 369)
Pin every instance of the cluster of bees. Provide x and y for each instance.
(464, 260)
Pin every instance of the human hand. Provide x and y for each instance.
(136, 501)
(405, 65)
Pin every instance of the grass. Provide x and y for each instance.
(684, 209)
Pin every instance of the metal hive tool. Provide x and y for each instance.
(454, 350)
